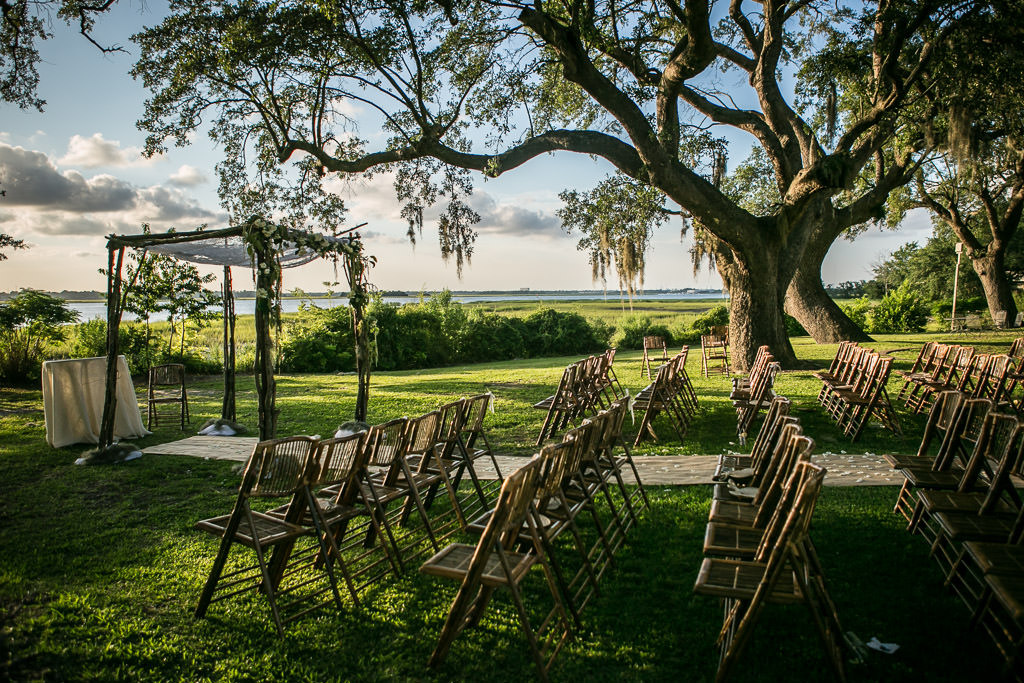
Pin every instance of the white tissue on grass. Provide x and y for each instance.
(887, 648)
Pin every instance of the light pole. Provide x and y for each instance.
(956, 281)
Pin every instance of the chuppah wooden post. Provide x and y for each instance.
(227, 409)
(265, 386)
(114, 265)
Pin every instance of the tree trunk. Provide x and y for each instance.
(991, 271)
(756, 291)
(810, 304)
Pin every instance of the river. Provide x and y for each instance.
(88, 310)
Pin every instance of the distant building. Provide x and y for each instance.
(524, 289)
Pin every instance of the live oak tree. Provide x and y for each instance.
(486, 86)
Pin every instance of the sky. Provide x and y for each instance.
(75, 173)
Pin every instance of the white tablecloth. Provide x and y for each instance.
(73, 401)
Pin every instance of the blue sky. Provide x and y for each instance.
(75, 174)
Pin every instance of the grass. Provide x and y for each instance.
(100, 568)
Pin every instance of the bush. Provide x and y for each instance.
(489, 336)
(318, 340)
(715, 317)
(29, 323)
(90, 341)
(899, 311)
(636, 327)
(859, 311)
(794, 328)
(550, 333)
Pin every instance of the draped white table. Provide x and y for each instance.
(73, 392)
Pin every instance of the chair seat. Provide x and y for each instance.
(959, 501)
(1009, 590)
(270, 530)
(960, 526)
(930, 479)
(453, 561)
(996, 558)
(732, 512)
(731, 540)
(739, 579)
(899, 462)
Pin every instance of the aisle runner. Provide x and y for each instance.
(661, 470)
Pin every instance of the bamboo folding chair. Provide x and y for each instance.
(741, 385)
(848, 374)
(979, 559)
(962, 441)
(278, 468)
(559, 406)
(944, 413)
(338, 503)
(453, 456)
(970, 492)
(167, 385)
(658, 397)
(785, 569)
(868, 398)
(684, 387)
(652, 343)
(608, 431)
(943, 376)
(714, 351)
(761, 394)
(1001, 614)
(742, 502)
(609, 381)
(922, 364)
(427, 473)
(778, 408)
(392, 480)
(494, 563)
(734, 538)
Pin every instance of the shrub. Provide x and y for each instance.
(550, 333)
(90, 340)
(636, 327)
(318, 340)
(489, 336)
(794, 328)
(715, 317)
(899, 311)
(29, 323)
(859, 311)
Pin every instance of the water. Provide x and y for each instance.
(98, 309)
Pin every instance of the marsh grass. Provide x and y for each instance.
(100, 568)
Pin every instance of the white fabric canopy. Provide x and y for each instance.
(231, 251)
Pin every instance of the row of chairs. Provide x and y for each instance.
(962, 501)
(537, 504)
(670, 393)
(941, 367)
(853, 389)
(757, 545)
(355, 498)
(586, 386)
(754, 392)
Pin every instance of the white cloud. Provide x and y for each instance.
(97, 151)
(187, 176)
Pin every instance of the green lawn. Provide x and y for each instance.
(100, 568)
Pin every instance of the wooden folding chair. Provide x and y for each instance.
(278, 468)
(735, 538)
(761, 394)
(741, 385)
(961, 440)
(342, 462)
(559, 405)
(652, 343)
(714, 351)
(392, 480)
(658, 397)
(785, 569)
(494, 563)
(167, 385)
